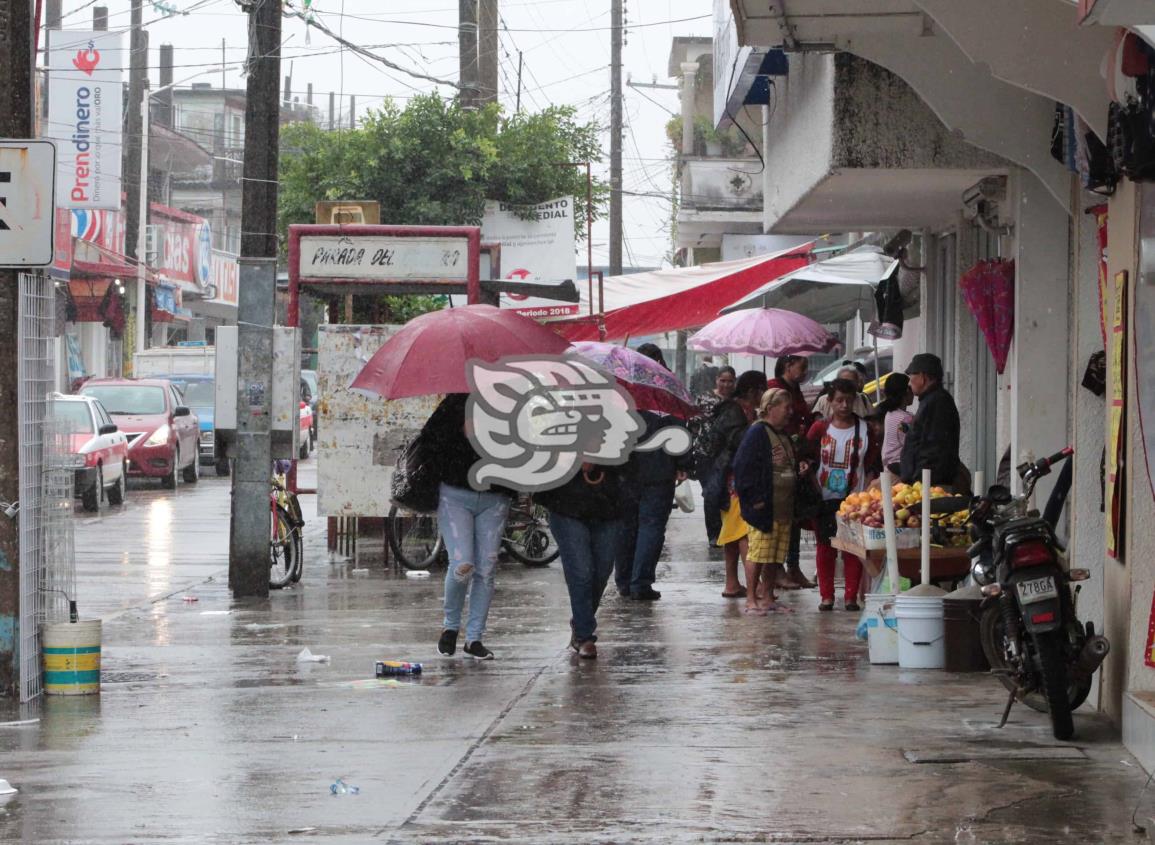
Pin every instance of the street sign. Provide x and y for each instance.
(384, 257)
(27, 213)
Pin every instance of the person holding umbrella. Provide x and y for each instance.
(430, 355)
(789, 371)
(471, 523)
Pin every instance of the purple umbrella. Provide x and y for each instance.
(653, 387)
(763, 331)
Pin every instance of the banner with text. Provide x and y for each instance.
(536, 245)
(85, 109)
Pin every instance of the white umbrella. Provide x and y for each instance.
(830, 291)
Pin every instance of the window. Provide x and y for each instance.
(128, 399)
(74, 416)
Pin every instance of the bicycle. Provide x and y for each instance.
(416, 542)
(286, 544)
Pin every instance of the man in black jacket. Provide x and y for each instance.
(932, 442)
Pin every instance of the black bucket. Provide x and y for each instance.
(962, 642)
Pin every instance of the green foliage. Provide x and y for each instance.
(433, 163)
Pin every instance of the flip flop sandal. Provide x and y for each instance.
(753, 611)
(779, 607)
(740, 594)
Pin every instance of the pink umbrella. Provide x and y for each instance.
(988, 289)
(653, 387)
(763, 331)
(429, 354)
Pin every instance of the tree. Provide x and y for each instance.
(434, 163)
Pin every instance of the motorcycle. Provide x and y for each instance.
(1030, 633)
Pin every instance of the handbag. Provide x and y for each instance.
(684, 497)
(807, 496)
(416, 481)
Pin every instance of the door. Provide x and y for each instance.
(186, 429)
(117, 447)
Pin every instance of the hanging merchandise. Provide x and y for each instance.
(889, 305)
(989, 291)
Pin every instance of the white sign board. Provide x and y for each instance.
(535, 248)
(384, 257)
(85, 111)
(359, 436)
(27, 216)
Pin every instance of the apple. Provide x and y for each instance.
(902, 515)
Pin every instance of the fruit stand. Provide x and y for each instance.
(860, 533)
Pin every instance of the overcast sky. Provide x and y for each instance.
(566, 50)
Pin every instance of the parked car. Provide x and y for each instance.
(162, 431)
(812, 387)
(305, 442)
(311, 384)
(100, 447)
(198, 392)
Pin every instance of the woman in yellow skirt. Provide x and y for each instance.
(765, 469)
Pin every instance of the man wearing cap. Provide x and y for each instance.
(932, 442)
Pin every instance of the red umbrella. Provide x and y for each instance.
(988, 289)
(429, 354)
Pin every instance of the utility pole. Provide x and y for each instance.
(16, 107)
(616, 138)
(467, 53)
(332, 110)
(249, 517)
(487, 43)
(136, 196)
(519, 58)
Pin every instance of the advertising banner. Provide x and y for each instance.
(85, 111)
(536, 245)
(225, 278)
(186, 249)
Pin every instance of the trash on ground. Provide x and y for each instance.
(189, 599)
(6, 788)
(339, 787)
(215, 612)
(363, 570)
(417, 573)
(307, 656)
(397, 667)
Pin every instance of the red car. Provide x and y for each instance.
(162, 432)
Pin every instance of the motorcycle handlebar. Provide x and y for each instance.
(1046, 463)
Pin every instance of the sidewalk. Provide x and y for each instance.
(695, 724)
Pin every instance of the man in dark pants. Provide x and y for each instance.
(932, 442)
(652, 478)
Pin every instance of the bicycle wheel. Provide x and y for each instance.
(527, 536)
(413, 538)
(282, 549)
(294, 507)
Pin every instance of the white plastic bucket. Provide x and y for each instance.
(881, 628)
(920, 632)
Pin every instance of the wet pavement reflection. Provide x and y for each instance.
(696, 723)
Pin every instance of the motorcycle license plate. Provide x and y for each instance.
(1037, 589)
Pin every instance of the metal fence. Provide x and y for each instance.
(47, 563)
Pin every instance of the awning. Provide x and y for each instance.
(661, 301)
(830, 291)
(89, 259)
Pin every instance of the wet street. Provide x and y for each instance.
(695, 724)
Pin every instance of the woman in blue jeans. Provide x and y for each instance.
(585, 518)
(471, 523)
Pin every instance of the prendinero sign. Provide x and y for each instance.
(384, 258)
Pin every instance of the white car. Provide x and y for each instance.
(100, 449)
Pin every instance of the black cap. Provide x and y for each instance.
(927, 364)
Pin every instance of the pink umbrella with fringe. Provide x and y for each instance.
(763, 331)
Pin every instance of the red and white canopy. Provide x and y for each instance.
(661, 301)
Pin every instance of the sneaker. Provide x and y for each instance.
(447, 645)
(648, 594)
(826, 606)
(477, 651)
(853, 607)
(587, 650)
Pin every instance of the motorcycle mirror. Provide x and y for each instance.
(999, 494)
